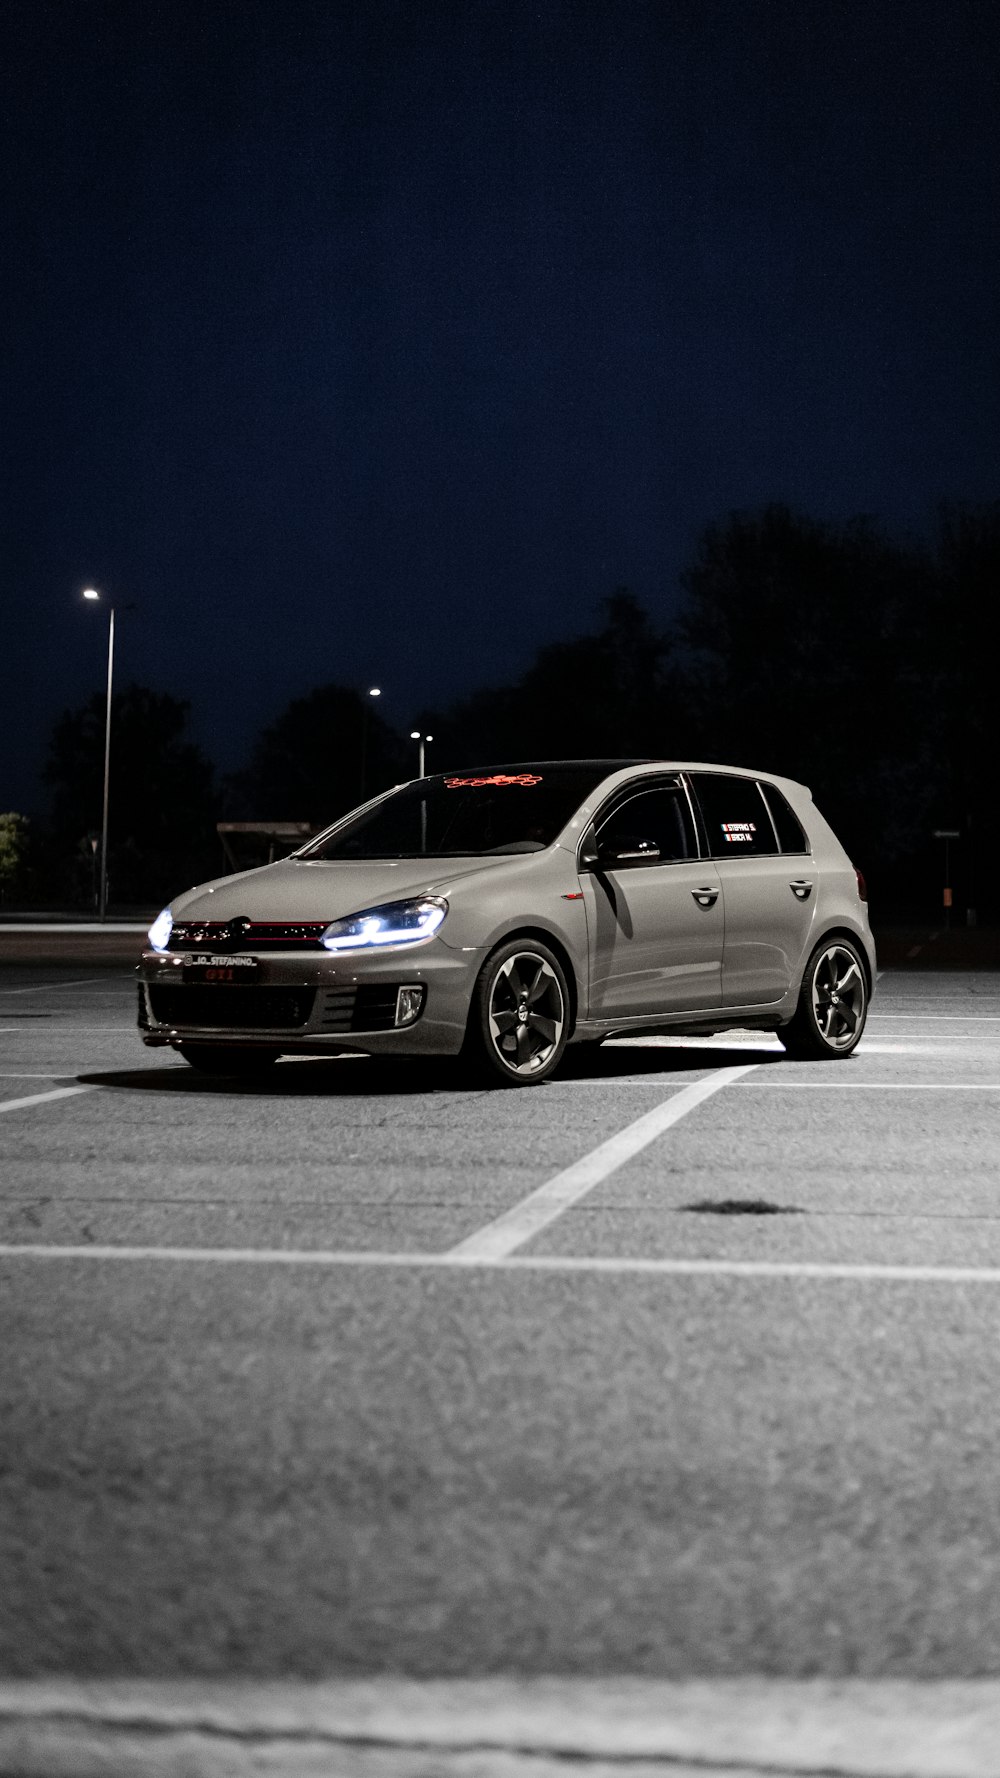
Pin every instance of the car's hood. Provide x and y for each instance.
(301, 890)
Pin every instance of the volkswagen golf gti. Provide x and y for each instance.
(503, 912)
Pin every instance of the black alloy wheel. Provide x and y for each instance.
(227, 1058)
(833, 1004)
(519, 1019)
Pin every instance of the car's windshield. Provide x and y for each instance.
(469, 814)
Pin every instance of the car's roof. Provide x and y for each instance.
(607, 767)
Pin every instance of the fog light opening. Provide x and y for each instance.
(409, 1003)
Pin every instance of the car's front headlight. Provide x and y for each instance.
(395, 923)
(159, 932)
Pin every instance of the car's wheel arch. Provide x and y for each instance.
(829, 936)
(552, 942)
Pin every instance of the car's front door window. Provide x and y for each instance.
(655, 821)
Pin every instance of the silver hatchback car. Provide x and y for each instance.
(504, 912)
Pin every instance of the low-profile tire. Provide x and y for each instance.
(833, 1004)
(519, 1017)
(222, 1058)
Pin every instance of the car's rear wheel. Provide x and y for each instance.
(833, 1004)
(232, 1058)
(519, 1018)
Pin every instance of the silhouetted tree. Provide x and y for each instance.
(162, 804)
(804, 655)
(317, 759)
(598, 696)
(13, 853)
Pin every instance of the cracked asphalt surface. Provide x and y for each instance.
(224, 1469)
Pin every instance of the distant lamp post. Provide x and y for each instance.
(91, 593)
(374, 691)
(947, 834)
(415, 735)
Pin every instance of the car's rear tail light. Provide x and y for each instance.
(862, 885)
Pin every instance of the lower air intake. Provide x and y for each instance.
(232, 1009)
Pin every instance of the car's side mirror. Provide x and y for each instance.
(597, 856)
(634, 851)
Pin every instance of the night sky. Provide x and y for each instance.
(378, 342)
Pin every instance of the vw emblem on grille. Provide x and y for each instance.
(237, 929)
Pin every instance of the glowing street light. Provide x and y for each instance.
(92, 594)
(415, 735)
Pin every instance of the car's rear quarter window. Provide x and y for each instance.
(791, 834)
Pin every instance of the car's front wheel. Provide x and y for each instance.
(223, 1058)
(833, 1004)
(519, 1018)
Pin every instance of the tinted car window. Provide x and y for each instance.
(735, 815)
(660, 816)
(791, 837)
(466, 814)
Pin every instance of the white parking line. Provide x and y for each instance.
(940, 1728)
(535, 1212)
(43, 1073)
(358, 1260)
(43, 1098)
(653, 1081)
(86, 981)
(940, 1018)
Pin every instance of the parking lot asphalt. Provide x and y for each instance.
(720, 1402)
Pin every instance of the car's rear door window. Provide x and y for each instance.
(659, 816)
(787, 826)
(736, 816)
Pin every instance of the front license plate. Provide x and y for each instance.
(219, 969)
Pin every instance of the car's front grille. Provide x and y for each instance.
(369, 1008)
(248, 935)
(231, 1009)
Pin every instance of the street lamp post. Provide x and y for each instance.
(947, 834)
(91, 593)
(415, 735)
(374, 691)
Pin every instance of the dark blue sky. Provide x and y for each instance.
(378, 342)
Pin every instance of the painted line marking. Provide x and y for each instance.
(941, 1018)
(679, 1268)
(718, 1726)
(877, 1086)
(87, 981)
(499, 1238)
(43, 1098)
(654, 1082)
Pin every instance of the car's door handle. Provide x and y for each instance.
(801, 888)
(706, 898)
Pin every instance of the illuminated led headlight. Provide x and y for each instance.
(159, 932)
(396, 923)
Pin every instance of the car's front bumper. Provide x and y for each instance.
(314, 1004)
